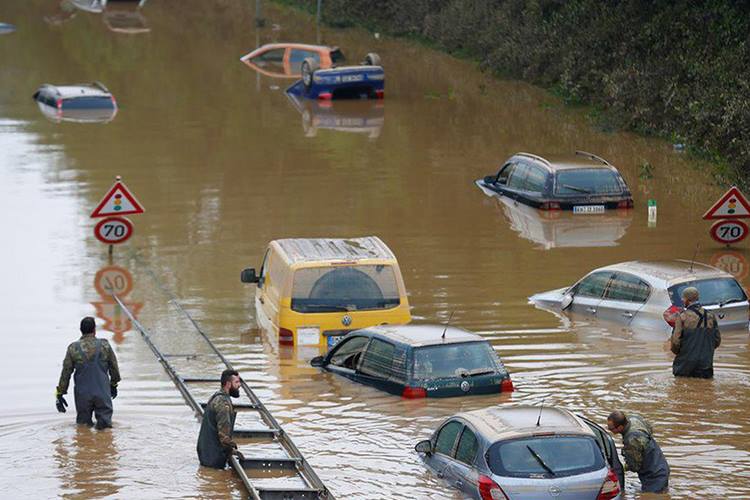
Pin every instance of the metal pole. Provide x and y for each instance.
(259, 21)
(318, 15)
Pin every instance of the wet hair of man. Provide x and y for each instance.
(691, 294)
(618, 418)
(88, 325)
(227, 374)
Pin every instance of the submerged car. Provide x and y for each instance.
(583, 183)
(284, 60)
(88, 102)
(416, 361)
(525, 453)
(365, 81)
(649, 294)
(6, 28)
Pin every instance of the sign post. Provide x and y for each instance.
(727, 212)
(114, 228)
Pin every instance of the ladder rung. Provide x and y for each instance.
(270, 463)
(246, 433)
(180, 355)
(282, 493)
(188, 380)
(239, 406)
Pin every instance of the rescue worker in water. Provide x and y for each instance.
(96, 377)
(641, 453)
(694, 339)
(215, 444)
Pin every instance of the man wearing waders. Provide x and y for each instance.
(694, 338)
(96, 377)
(641, 453)
(215, 444)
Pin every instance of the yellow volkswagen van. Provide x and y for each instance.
(311, 292)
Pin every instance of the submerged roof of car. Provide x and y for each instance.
(425, 335)
(508, 422)
(94, 89)
(299, 250)
(578, 160)
(669, 271)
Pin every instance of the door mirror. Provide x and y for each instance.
(567, 300)
(424, 447)
(490, 179)
(249, 276)
(317, 361)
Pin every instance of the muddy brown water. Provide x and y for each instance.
(224, 162)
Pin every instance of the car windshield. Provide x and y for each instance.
(465, 359)
(588, 181)
(712, 291)
(549, 456)
(344, 288)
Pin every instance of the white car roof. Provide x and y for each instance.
(77, 90)
(503, 422)
(324, 249)
(668, 273)
(425, 335)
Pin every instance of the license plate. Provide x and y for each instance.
(588, 209)
(352, 78)
(308, 336)
(334, 339)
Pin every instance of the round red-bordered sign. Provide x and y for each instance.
(113, 280)
(113, 230)
(732, 262)
(729, 231)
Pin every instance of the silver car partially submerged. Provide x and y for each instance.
(525, 453)
(648, 295)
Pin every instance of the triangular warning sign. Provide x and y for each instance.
(732, 205)
(117, 201)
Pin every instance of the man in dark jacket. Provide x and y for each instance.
(215, 444)
(96, 377)
(641, 453)
(694, 338)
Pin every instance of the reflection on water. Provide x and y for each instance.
(120, 16)
(87, 463)
(359, 116)
(224, 169)
(115, 280)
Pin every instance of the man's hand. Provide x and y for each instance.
(113, 391)
(61, 403)
(237, 454)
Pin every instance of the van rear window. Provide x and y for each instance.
(712, 291)
(588, 181)
(344, 288)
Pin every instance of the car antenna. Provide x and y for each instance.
(697, 245)
(447, 323)
(539, 418)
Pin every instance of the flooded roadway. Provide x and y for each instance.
(224, 162)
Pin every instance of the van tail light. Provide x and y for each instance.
(414, 392)
(325, 96)
(379, 94)
(286, 337)
(611, 487)
(549, 205)
(670, 314)
(489, 490)
(507, 385)
(59, 104)
(625, 203)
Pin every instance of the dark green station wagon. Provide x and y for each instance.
(416, 361)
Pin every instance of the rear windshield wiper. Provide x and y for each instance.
(477, 372)
(325, 307)
(576, 188)
(541, 462)
(730, 301)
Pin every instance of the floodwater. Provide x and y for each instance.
(224, 162)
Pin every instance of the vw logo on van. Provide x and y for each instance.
(346, 320)
(554, 491)
(465, 386)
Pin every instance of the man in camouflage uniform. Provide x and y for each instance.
(215, 444)
(694, 339)
(641, 453)
(96, 377)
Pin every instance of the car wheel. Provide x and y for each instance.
(309, 66)
(372, 59)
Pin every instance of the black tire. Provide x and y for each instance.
(372, 59)
(309, 66)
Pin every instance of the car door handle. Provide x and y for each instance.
(591, 310)
(628, 314)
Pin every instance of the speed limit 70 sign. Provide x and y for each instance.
(113, 230)
(729, 231)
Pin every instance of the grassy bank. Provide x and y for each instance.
(678, 70)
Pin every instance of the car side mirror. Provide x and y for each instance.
(424, 447)
(567, 300)
(490, 179)
(249, 276)
(317, 361)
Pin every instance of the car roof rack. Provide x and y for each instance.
(593, 157)
(535, 157)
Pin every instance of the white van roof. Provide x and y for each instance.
(345, 249)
